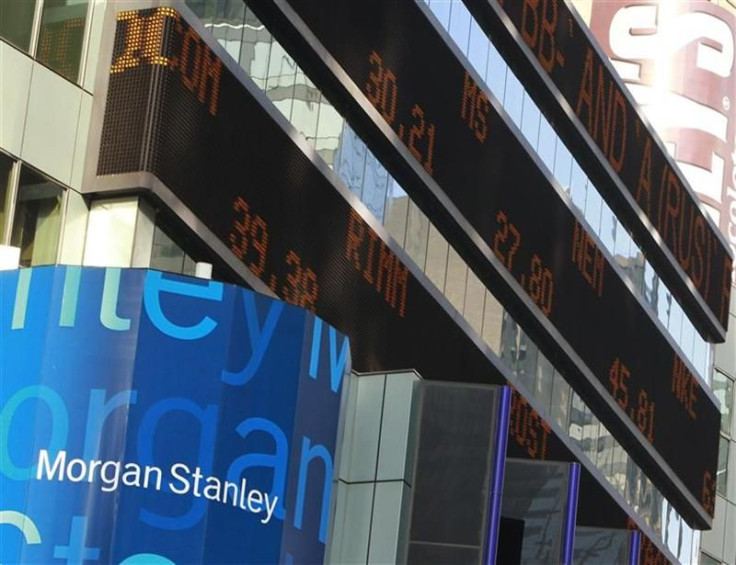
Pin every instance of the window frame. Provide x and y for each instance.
(11, 201)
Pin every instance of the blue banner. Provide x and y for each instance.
(155, 418)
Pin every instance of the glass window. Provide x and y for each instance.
(664, 306)
(527, 361)
(706, 559)
(687, 337)
(722, 465)
(618, 468)
(436, 266)
(6, 167)
(631, 494)
(593, 204)
(459, 27)
(256, 49)
(563, 165)
(513, 98)
(227, 25)
(16, 22)
(651, 285)
(395, 218)
(547, 142)
(577, 420)
(492, 323)
(723, 389)
(281, 79)
(544, 380)
(700, 356)
(375, 184)
(675, 324)
(530, 121)
(441, 10)
(609, 223)
(329, 128)
(417, 234)
(657, 499)
(509, 342)
(350, 164)
(61, 36)
(166, 255)
(474, 297)
(37, 219)
(560, 402)
(456, 279)
(579, 182)
(590, 434)
(478, 48)
(201, 8)
(305, 112)
(622, 245)
(175, 251)
(496, 72)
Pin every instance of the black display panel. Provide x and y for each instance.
(454, 455)
(175, 110)
(561, 48)
(451, 126)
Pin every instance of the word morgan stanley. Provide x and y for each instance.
(111, 474)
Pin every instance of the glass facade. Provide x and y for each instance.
(56, 37)
(16, 22)
(295, 95)
(52, 31)
(30, 212)
(167, 255)
(719, 542)
(486, 60)
(36, 219)
(6, 170)
(61, 36)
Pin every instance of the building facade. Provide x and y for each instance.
(127, 142)
(674, 83)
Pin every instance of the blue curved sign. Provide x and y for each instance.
(155, 418)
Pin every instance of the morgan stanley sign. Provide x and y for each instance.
(154, 418)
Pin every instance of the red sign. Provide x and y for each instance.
(677, 58)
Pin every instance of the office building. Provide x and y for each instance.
(689, 102)
(465, 189)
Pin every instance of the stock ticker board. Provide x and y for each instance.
(544, 38)
(392, 52)
(212, 144)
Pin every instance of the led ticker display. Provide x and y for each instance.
(392, 52)
(566, 54)
(278, 214)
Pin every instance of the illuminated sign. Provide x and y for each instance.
(479, 163)
(271, 206)
(677, 59)
(151, 418)
(637, 178)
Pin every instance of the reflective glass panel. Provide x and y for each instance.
(460, 25)
(708, 560)
(6, 167)
(723, 389)
(16, 22)
(560, 401)
(166, 255)
(36, 221)
(722, 465)
(478, 48)
(61, 36)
